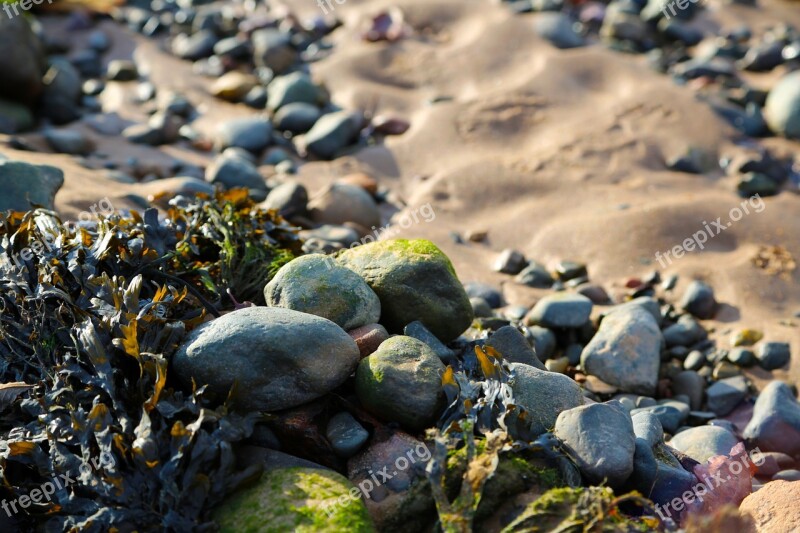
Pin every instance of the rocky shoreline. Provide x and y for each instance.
(254, 355)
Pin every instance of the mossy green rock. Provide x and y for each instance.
(295, 499)
(277, 357)
(402, 382)
(414, 281)
(24, 184)
(317, 285)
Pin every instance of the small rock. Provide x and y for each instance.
(544, 395)
(775, 426)
(346, 435)
(122, 70)
(252, 134)
(418, 331)
(626, 351)
(782, 110)
(726, 394)
(703, 442)
(509, 262)
(695, 360)
(69, 142)
(297, 117)
(233, 86)
(368, 338)
(402, 382)
(543, 341)
(272, 49)
(514, 347)
(480, 308)
(774, 355)
(536, 276)
(601, 439)
(340, 203)
(562, 310)
(692, 385)
(289, 199)
(787, 475)
(699, 300)
(492, 296)
(295, 88)
(332, 133)
(742, 357)
(232, 171)
(559, 29)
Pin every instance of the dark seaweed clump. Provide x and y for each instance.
(89, 318)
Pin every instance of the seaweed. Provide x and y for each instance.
(90, 315)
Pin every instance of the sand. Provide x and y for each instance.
(557, 153)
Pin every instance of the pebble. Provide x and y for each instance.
(544, 395)
(345, 434)
(253, 134)
(775, 425)
(686, 332)
(773, 355)
(787, 475)
(233, 86)
(514, 347)
(699, 300)
(232, 171)
(368, 338)
(670, 417)
(69, 142)
(600, 438)
(742, 357)
(339, 203)
(695, 360)
(703, 442)
(692, 385)
(289, 199)
(543, 341)
(272, 49)
(25, 184)
(480, 308)
(493, 297)
(782, 110)
(558, 28)
(536, 276)
(295, 88)
(562, 310)
(297, 117)
(724, 395)
(122, 70)
(509, 262)
(332, 133)
(418, 331)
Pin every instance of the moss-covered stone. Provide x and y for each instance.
(295, 499)
(402, 382)
(414, 281)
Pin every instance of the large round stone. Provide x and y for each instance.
(277, 357)
(414, 281)
(317, 285)
(544, 395)
(402, 382)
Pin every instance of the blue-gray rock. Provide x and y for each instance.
(295, 88)
(536, 276)
(24, 184)
(724, 395)
(699, 300)
(559, 29)
(647, 303)
(414, 281)
(514, 347)
(695, 360)
(685, 332)
(775, 426)
(600, 437)
(782, 110)
(787, 475)
(742, 357)
(658, 475)
(24, 62)
(69, 142)
(647, 426)
(703, 442)
(544, 395)
(297, 118)
(272, 48)
(773, 355)
(252, 134)
(402, 382)
(692, 385)
(492, 296)
(670, 417)
(278, 358)
(333, 132)
(122, 70)
(289, 199)
(418, 331)
(561, 310)
(626, 351)
(195, 46)
(345, 434)
(543, 340)
(509, 262)
(317, 285)
(231, 171)
(62, 92)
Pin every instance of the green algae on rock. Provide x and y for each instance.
(414, 281)
(295, 499)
